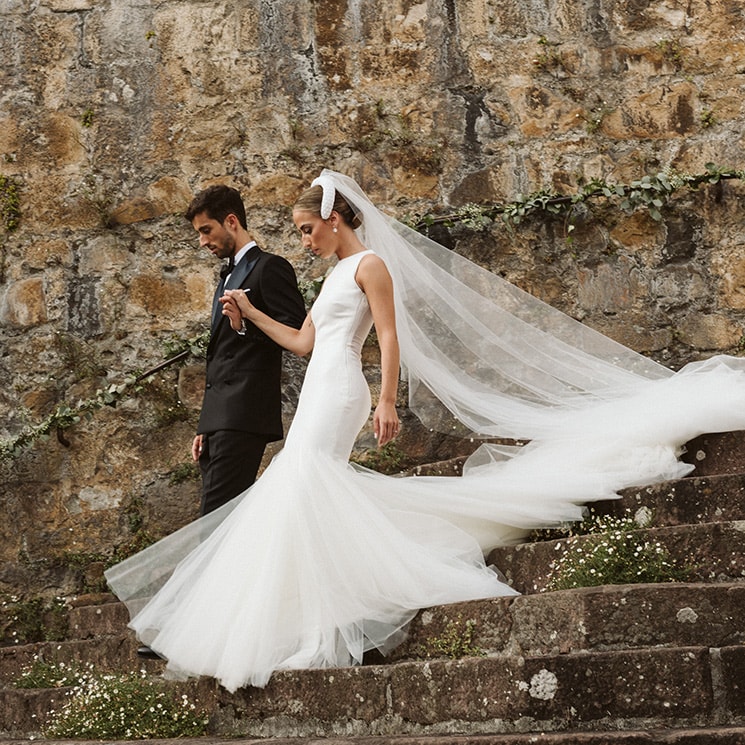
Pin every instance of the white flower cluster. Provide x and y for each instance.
(616, 551)
(125, 707)
(42, 674)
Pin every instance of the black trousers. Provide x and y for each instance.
(229, 463)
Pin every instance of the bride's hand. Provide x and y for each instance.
(235, 305)
(386, 425)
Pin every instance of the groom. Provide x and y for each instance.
(241, 409)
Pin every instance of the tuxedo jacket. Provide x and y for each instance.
(242, 388)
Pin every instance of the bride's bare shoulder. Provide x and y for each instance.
(372, 274)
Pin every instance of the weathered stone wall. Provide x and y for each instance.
(114, 112)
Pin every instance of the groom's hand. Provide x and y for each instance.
(231, 310)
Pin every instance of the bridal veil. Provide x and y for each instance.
(507, 365)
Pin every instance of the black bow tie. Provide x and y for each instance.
(227, 268)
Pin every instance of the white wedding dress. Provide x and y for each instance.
(320, 561)
(317, 562)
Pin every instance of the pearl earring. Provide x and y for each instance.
(334, 229)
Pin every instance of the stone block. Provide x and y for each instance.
(102, 255)
(716, 453)
(656, 687)
(714, 331)
(299, 703)
(25, 304)
(68, 6)
(47, 253)
(485, 625)
(159, 296)
(275, 191)
(24, 712)
(611, 287)
(133, 210)
(732, 679)
(171, 195)
(90, 621)
(693, 499)
(592, 618)
(630, 616)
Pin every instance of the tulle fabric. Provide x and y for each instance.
(311, 570)
(320, 561)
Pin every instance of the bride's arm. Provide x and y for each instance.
(236, 305)
(375, 281)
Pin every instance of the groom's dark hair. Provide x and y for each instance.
(218, 202)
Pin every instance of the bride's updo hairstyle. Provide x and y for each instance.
(311, 200)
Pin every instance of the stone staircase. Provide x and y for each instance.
(649, 663)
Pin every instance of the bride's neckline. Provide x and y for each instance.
(357, 253)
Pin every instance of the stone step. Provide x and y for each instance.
(716, 453)
(554, 628)
(102, 614)
(603, 691)
(116, 652)
(693, 499)
(592, 618)
(689, 500)
(599, 690)
(713, 552)
(676, 736)
(685, 501)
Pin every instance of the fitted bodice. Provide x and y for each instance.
(341, 314)
(335, 400)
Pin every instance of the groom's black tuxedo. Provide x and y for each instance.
(242, 406)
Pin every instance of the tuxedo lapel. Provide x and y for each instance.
(243, 269)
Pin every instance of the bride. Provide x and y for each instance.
(320, 561)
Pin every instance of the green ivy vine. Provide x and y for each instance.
(65, 415)
(649, 192)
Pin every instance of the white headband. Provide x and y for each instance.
(329, 195)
